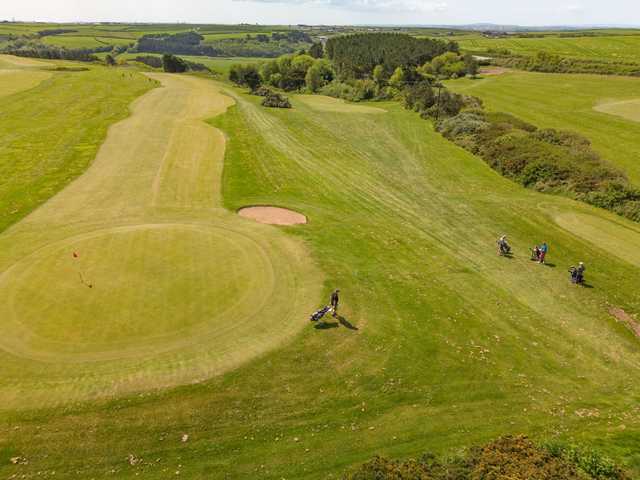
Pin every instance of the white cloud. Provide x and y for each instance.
(368, 5)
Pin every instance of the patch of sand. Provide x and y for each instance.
(337, 105)
(488, 71)
(627, 319)
(273, 215)
(629, 109)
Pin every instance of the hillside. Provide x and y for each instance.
(441, 344)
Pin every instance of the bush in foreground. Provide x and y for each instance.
(275, 100)
(508, 458)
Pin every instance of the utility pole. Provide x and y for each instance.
(439, 86)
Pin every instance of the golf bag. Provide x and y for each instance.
(504, 248)
(577, 277)
(535, 254)
(320, 313)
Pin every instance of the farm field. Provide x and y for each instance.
(588, 104)
(69, 41)
(440, 343)
(220, 65)
(615, 47)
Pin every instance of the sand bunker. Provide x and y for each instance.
(627, 319)
(488, 71)
(273, 215)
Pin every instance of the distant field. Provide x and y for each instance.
(614, 47)
(216, 64)
(85, 41)
(568, 102)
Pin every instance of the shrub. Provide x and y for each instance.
(275, 100)
(318, 75)
(173, 64)
(151, 61)
(245, 76)
(589, 461)
(508, 458)
(464, 124)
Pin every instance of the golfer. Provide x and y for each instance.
(544, 248)
(335, 299)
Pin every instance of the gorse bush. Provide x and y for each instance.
(276, 100)
(508, 458)
(589, 461)
(546, 160)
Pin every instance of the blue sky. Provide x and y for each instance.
(522, 12)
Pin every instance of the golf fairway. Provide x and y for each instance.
(134, 276)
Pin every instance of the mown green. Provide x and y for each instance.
(454, 345)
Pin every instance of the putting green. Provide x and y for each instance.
(629, 109)
(330, 104)
(616, 236)
(134, 277)
(14, 81)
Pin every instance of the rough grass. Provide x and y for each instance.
(454, 345)
(52, 132)
(567, 102)
(613, 47)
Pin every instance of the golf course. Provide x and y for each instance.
(147, 329)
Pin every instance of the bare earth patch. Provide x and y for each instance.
(627, 319)
(493, 71)
(273, 215)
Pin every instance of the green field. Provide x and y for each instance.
(68, 41)
(570, 102)
(216, 64)
(620, 47)
(440, 344)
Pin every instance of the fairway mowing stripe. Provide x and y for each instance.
(139, 186)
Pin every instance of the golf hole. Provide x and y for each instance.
(273, 215)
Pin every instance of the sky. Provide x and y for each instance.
(335, 12)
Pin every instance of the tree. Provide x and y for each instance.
(109, 60)
(316, 50)
(173, 64)
(379, 76)
(319, 74)
(471, 65)
(245, 76)
(252, 78)
(397, 79)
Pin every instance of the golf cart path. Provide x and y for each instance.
(134, 277)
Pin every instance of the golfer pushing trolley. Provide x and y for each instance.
(332, 307)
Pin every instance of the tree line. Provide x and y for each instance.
(355, 56)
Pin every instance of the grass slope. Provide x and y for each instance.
(453, 346)
(52, 126)
(612, 47)
(166, 288)
(567, 102)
